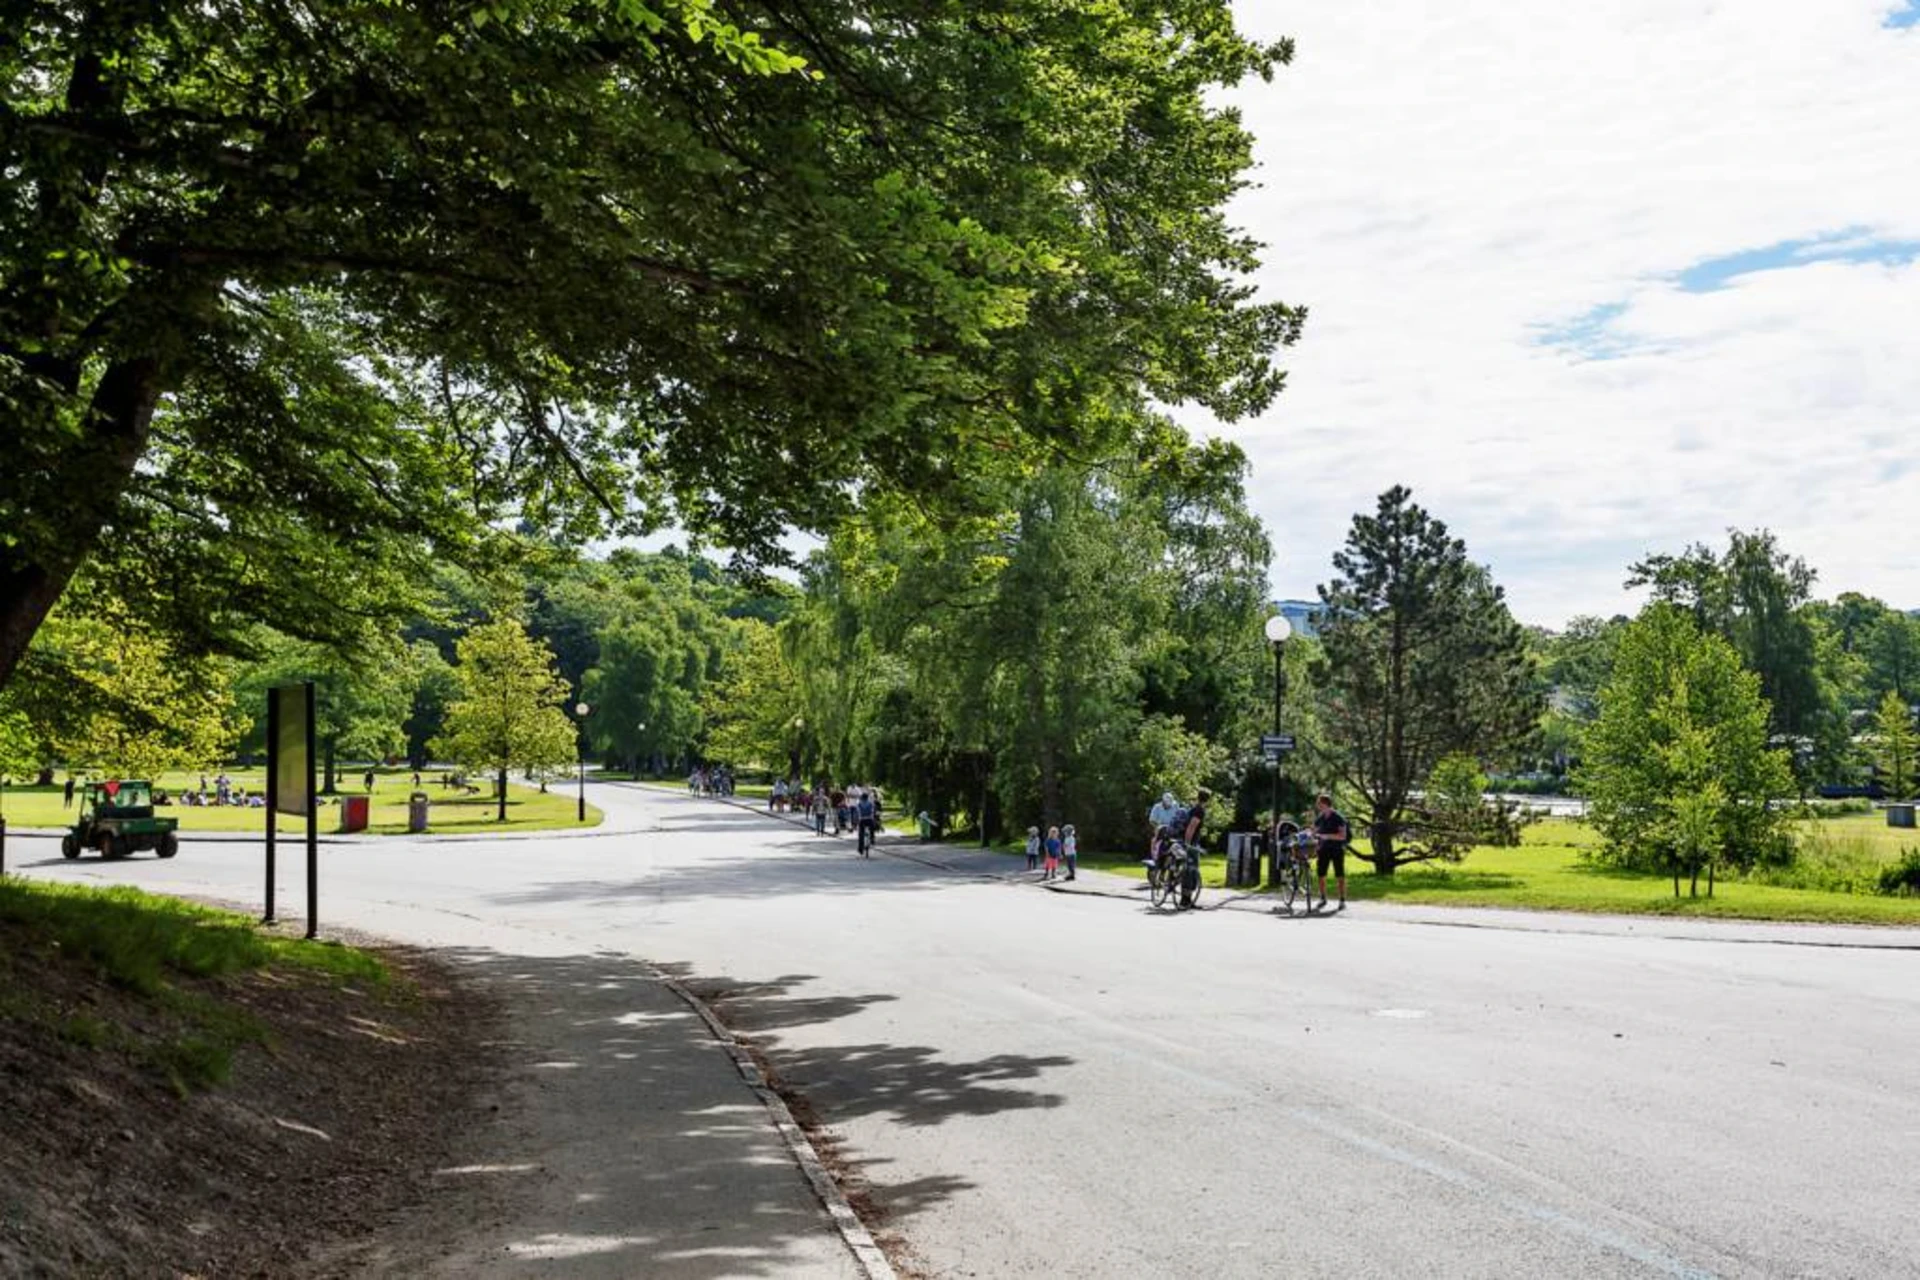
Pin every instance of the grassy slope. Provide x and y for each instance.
(152, 948)
(527, 809)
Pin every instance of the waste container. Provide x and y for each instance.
(1243, 859)
(417, 811)
(353, 813)
(1900, 815)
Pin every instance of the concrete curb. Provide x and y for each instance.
(853, 1233)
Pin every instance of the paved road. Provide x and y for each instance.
(1043, 1085)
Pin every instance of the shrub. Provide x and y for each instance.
(1902, 877)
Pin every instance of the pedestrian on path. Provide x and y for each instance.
(68, 802)
(1330, 828)
(1033, 848)
(820, 811)
(1070, 849)
(1053, 853)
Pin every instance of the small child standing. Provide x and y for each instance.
(1033, 848)
(1070, 849)
(1053, 853)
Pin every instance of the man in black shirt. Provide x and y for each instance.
(1331, 830)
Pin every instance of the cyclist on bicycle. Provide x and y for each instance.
(866, 819)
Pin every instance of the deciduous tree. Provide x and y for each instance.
(1677, 769)
(296, 298)
(509, 714)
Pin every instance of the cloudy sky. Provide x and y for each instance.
(1595, 279)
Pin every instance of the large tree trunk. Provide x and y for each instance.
(503, 793)
(329, 788)
(91, 476)
(1380, 834)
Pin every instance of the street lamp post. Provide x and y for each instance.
(580, 744)
(1278, 629)
(639, 735)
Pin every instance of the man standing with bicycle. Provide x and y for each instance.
(1330, 832)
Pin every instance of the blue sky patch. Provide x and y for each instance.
(1852, 245)
(1591, 335)
(1906, 15)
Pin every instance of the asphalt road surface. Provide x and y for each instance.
(1037, 1084)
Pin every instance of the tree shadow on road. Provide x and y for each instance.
(626, 1143)
(912, 1085)
(785, 873)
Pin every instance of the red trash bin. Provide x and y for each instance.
(353, 813)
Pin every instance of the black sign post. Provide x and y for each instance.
(290, 789)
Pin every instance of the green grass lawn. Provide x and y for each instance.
(451, 812)
(1546, 872)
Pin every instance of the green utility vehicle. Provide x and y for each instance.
(116, 817)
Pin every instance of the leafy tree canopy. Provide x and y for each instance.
(509, 712)
(1677, 768)
(291, 292)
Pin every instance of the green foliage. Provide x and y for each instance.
(1902, 877)
(1422, 660)
(1896, 746)
(1756, 597)
(292, 310)
(1677, 768)
(103, 692)
(751, 709)
(364, 690)
(508, 714)
(1044, 661)
(1576, 663)
(1182, 762)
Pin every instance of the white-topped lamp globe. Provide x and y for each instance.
(580, 708)
(1278, 628)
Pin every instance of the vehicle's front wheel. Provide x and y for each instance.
(169, 844)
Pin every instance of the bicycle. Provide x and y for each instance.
(1293, 877)
(863, 839)
(1175, 877)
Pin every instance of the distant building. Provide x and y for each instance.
(1300, 615)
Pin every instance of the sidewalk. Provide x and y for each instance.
(630, 1145)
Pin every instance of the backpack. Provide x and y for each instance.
(1178, 822)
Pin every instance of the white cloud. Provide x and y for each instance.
(1446, 187)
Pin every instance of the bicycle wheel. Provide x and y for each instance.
(1160, 882)
(1189, 884)
(1290, 882)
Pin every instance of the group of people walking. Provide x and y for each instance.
(714, 781)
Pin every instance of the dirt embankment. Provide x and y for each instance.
(331, 1122)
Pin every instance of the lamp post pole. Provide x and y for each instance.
(1278, 629)
(580, 746)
